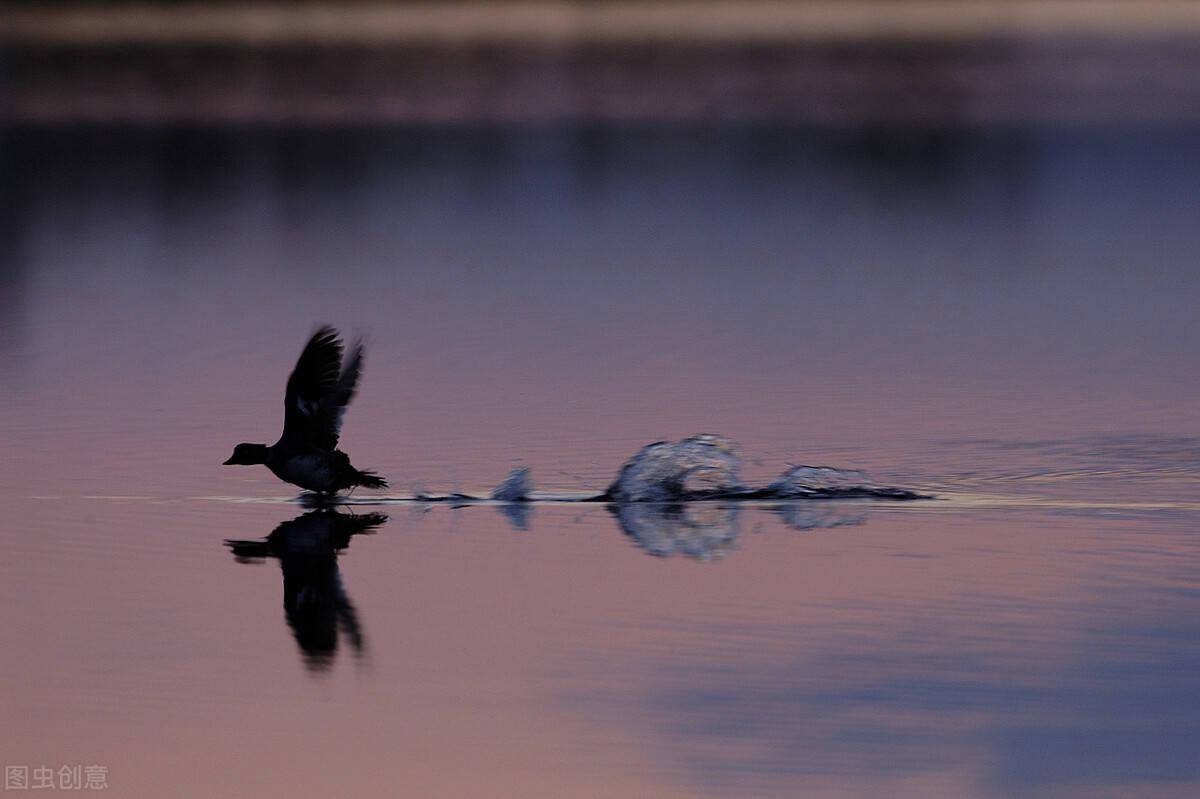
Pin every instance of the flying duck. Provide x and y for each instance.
(318, 391)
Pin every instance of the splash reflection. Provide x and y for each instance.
(804, 516)
(519, 515)
(700, 530)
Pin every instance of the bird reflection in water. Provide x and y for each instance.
(315, 602)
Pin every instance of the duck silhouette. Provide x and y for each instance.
(315, 602)
(318, 392)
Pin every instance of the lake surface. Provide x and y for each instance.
(1003, 318)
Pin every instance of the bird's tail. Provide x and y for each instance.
(368, 479)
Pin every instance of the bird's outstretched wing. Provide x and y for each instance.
(319, 389)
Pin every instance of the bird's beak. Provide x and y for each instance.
(228, 462)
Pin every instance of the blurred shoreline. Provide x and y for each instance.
(890, 62)
(551, 22)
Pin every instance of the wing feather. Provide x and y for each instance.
(334, 404)
(319, 389)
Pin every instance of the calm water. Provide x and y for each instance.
(1006, 319)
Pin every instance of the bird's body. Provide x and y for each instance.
(315, 470)
(318, 392)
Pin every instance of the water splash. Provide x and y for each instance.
(708, 467)
(815, 482)
(517, 487)
(694, 468)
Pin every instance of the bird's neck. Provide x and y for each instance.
(264, 452)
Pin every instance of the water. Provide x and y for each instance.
(1002, 319)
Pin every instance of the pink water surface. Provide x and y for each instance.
(1006, 319)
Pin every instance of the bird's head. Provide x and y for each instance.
(247, 455)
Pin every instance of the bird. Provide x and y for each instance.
(319, 389)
